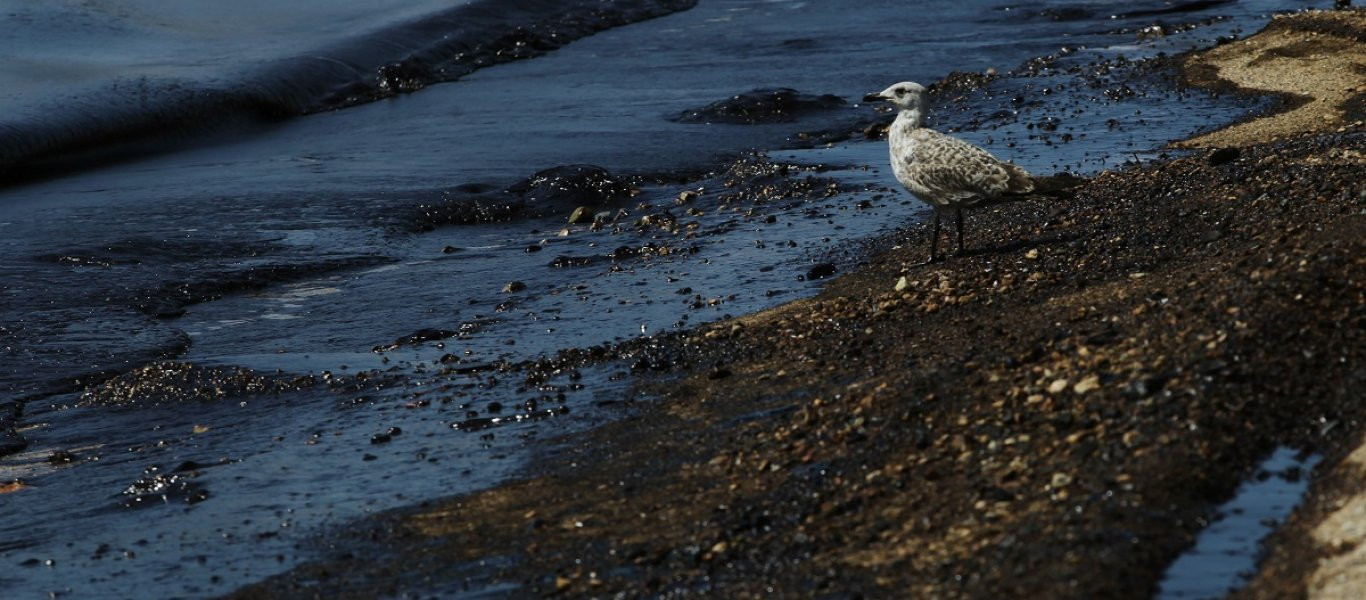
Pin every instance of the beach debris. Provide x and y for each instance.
(820, 271)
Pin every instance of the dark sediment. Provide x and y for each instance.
(551, 191)
(778, 105)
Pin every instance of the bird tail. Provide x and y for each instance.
(1057, 185)
(1018, 180)
(1023, 186)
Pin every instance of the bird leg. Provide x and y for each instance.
(960, 231)
(934, 241)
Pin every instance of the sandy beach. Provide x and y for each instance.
(1050, 415)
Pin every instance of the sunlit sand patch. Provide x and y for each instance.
(1296, 55)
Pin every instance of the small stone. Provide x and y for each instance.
(820, 271)
(1223, 156)
(1060, 480)
(902, 284)
(1057, 386)
(1088, 384)
(1032, 254)
(582, 214)
(514, 287)
(687, 196)
(62, 457)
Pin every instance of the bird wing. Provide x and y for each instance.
(953, 169)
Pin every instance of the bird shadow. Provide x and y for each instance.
(1016, 246)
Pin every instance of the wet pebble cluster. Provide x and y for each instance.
(173, 382)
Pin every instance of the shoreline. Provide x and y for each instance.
(1052, 414)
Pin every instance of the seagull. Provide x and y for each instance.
(940, 170)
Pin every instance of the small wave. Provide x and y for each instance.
(141, 115)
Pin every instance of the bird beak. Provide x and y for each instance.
(874, 97)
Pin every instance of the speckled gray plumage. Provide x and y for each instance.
(946, 172)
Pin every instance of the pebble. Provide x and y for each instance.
(62, 457)
(582, 214)
(1090, 383)
(820, 271)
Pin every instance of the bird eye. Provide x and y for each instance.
(900, 91)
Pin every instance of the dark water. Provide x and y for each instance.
(286, 187)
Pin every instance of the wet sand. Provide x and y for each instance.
(1052, 414)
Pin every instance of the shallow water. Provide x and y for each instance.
(1225, 554)
(288, 245)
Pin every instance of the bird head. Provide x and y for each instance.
(905, 96)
